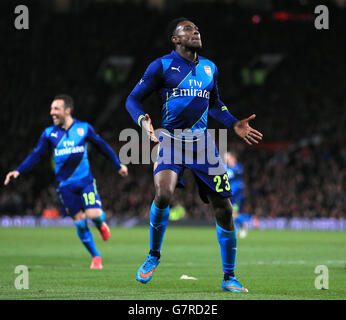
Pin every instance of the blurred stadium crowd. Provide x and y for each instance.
(298, 96)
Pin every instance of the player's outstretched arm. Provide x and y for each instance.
(12, 174)
(220, 112)
(247, 133)
(40, 152)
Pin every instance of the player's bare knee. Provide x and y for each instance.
(223, 211)
(79, 216)
(219, 203)
(163, 197)
(93, 212)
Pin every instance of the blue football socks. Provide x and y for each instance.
(99, 220)
(86, 237)
(158, 223)
(228, 245)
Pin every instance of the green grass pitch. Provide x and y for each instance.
(273, 265)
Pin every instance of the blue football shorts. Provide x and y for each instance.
(197, 152)
(78, 197)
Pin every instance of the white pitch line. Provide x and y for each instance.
(292, 262)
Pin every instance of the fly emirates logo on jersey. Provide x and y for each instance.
(69, 148)
(194, 91)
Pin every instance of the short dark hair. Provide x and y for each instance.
(172, 26)
(68, 101)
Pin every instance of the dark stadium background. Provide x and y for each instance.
(297, 171)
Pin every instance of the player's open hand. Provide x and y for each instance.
(148, 127)
(248, 134)
(123, 171)
(11, 174)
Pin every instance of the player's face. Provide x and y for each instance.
(58, 112)
(187, 35)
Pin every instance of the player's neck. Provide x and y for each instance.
(67, 123)
(187, 53)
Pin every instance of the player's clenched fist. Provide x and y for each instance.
(11, 174)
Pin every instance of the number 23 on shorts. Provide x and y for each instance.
(218, 180)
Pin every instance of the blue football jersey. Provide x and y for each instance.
(70, 152)
(187, 90)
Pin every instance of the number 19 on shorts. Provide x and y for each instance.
(89, 198)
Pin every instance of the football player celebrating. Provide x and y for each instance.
(187, 86)
(67, 140)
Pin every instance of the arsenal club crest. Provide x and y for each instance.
(80, 131)
(207, 70)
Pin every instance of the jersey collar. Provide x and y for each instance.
(178, 56)
(73, 122)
